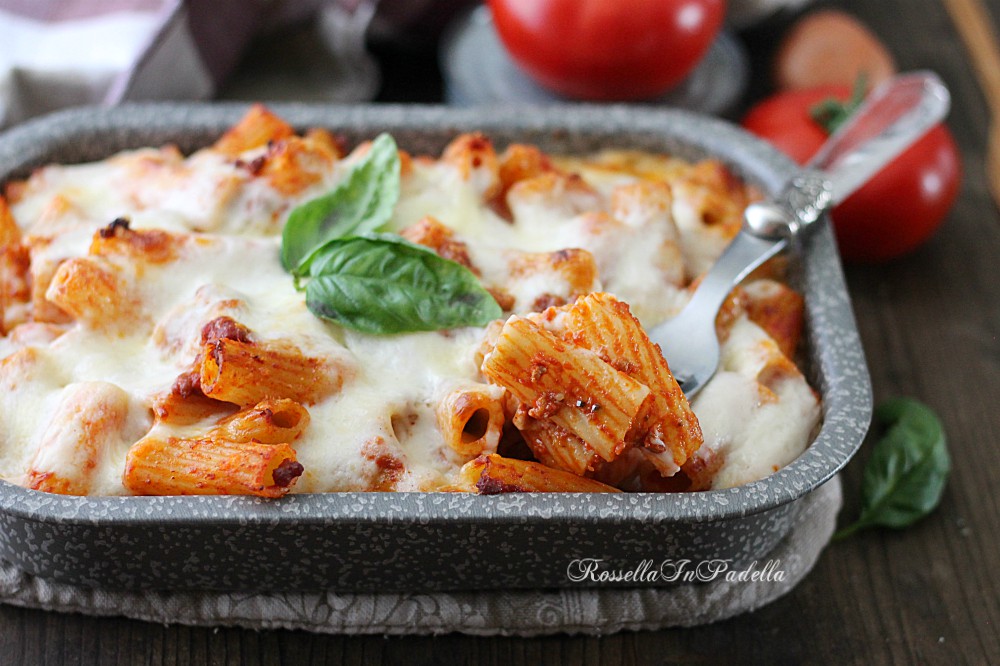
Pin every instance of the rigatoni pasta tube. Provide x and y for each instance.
(471, 420)
(158, 465)
(141, 246)
(293, 164)
(267, 422)
(473, 156)
(245, 373)
(15, 286)
(494, 474)
(521, 161)
(568, 385)
(254, 130)
(184, 403)
(90, 416)
(40, 274)
(777, 309)
(430, 232)
(566, 275)
(92, 291)
(556, 447)
(10, 233)
(604, 324)
(14, 263)
(764, 361)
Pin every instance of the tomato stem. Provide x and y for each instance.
(831, 113)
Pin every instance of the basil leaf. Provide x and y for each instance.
(906, 475)
(362, 202)
(380, 284)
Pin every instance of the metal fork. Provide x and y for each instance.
(893, 117)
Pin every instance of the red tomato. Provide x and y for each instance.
(899, 208)
(608, 49)
(785, 122)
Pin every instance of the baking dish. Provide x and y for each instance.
(421, 541)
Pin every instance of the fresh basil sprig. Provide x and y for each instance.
(380, 283)
(376, 283)
(906, 475)
(362, 202)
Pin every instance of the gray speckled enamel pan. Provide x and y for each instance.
(424, 541)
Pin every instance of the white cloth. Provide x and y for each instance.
(509, 613)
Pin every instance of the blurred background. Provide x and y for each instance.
(436, 51)
(60, 53)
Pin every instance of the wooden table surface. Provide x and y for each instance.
(930, 594)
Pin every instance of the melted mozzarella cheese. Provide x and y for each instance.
(30, 389)
(400, 378)
(752, 430)
(386, 411)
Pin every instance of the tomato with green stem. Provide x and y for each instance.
(895, 212)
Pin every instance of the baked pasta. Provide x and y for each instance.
(276, 313)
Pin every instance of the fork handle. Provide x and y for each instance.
(891, 119)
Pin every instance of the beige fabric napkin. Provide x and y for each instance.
(508, 613)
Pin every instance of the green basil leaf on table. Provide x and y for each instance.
(906, 475)
(380, 283)
(362, 202)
